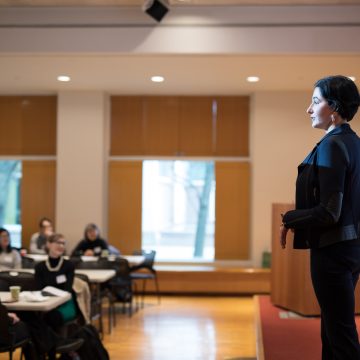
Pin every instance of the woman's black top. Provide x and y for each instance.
(97, 245)
(328, 192)
(61, 279)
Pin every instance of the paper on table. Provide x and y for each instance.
(54, 291)
(32, 296)
(89, 258)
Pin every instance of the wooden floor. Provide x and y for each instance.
(185, 328)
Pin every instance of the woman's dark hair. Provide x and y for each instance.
(8, 248)
(91, 226)
(341, 94)
(44, 219)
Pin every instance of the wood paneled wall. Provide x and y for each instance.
(127, 129)
(185, 126)
(232, 128)
(27, 125)
(37, 195)
(125, 188)
(161, 125)
(180, 125)
(232, 206)
(196, 127)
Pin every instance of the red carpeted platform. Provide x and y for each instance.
(289, 338)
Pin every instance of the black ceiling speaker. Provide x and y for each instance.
(156, 9)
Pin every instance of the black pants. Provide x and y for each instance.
(335, 272)
(21, 332)
(42, 335)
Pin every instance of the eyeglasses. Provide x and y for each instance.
(62, 243)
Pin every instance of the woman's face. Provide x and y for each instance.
(46, 228)
(4, 240)
(56, 248)
(320, 111)
(92, 234)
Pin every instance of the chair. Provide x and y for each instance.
(4, 285)
(27, 263)
(68, 346)
(23, 279)
(81, 287)
(101, 292)
(9, 337)
(147, 272)
(121, 285)
(96, 295)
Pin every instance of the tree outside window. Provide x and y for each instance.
(178, 216)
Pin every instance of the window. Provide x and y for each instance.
(10, 210)
(178, 209)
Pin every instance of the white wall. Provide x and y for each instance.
(81, 182)
(281, 136)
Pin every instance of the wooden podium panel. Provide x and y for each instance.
(291, 286)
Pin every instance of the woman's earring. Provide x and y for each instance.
(332, 118)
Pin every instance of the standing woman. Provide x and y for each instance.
(58, 272)
(9, 257)
(327, 214)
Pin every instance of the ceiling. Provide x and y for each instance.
(36, 73)
(172, 2)
(193, 75)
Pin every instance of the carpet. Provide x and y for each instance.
(283, 335)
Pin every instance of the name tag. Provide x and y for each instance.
(97, 250)
(60, 279)
(8, 259)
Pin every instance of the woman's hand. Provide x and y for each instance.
(13, 317)
(89, 252)
(283, 233)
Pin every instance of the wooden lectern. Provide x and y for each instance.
(291, 286)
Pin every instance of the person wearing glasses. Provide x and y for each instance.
(38, 240)
(58, 272)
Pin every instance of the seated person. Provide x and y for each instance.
(92, 244)
(9, 257)
(57, 272)
(29, 325)
(19, 331)
(38, 240)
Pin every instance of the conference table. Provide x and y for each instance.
(132, 259)
(29, 302)
(33, 303)
(95, 276)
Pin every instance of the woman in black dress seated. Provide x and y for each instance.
(57, 272)
(92, 244)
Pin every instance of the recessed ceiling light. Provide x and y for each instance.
(252, 79)
(353, 78)
(63, 78)
(157, 78)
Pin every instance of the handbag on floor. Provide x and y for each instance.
(92, 348)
